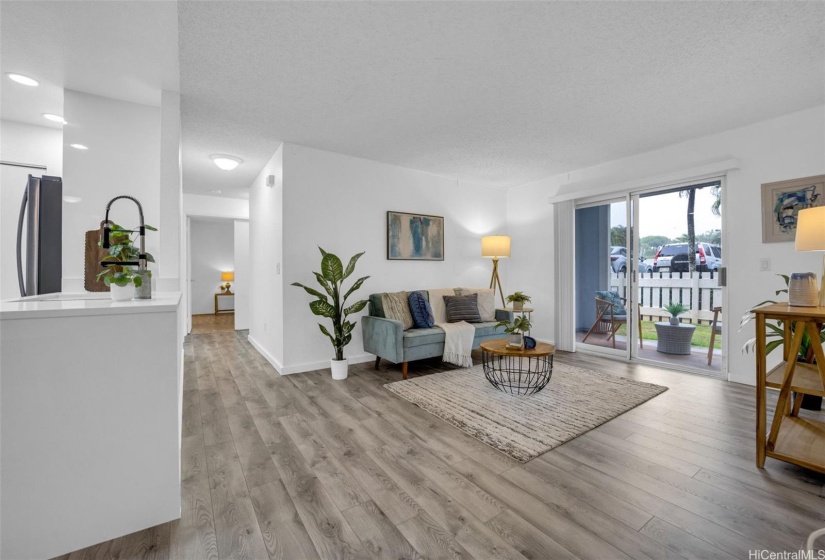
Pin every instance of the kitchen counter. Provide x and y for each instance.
(90, 419)
(75, 305)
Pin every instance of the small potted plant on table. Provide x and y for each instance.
(516, 331)
(332, 305)
(675, 309)
(518, 300)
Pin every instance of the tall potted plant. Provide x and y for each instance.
(332, 305)
(121, 279)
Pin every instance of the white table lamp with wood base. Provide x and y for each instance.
(496, 247)
(810, 236)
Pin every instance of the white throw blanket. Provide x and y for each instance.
(458, 342)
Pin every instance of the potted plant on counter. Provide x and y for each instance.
(518, 300)
(675, 309)
(333, 305)
(121, 279)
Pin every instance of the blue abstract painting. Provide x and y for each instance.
(415, 237)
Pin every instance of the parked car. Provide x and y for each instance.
(674, 257)
(618, 259)
(645, 265)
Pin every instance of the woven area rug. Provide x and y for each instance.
(574, 402)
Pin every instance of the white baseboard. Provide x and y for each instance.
(312, 366)
(269, 357)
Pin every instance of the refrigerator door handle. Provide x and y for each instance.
(20, 243)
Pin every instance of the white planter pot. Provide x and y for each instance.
(674, 321)
(122, 293)
(515, 341)
(518, 306)
(339, 369)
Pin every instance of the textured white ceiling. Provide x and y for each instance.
(497, 93)
(123, 50)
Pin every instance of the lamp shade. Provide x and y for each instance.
(227, 276)
(810, 229)
(495, 246)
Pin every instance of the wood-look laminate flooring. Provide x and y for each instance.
(211, 323)
(303, 467)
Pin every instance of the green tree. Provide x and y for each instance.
(618, 235)
(649, 244)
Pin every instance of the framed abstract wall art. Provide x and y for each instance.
(414, 237)
(782, 201)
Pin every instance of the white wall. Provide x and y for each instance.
(171, 193)
(213, 248)
(215, 207)
(241, 285)
(340, 203)
(123, 158)
(786, 147)
(22, 143)
(266, 319)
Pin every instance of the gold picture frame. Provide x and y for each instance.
(782, 201)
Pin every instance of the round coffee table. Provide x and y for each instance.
(515, 370)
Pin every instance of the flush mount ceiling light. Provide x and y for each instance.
(21, 79)
(71, 199)
(216, 191)
(225, 162)
(55, 118)
(79, 146)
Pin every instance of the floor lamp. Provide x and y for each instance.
(496, 247)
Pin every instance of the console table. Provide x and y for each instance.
(796, 440)
(218, 309)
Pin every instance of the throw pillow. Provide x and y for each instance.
(421, 310)
(486, 301)
(613, 297)
(397, 307)
(437, 303)
(462, 308)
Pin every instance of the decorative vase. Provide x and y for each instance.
(339, 369)
(145, 289)
(803, 290)
(515, 341)
(122, 293)
(518, 306)
(529, 342)
(674, 321)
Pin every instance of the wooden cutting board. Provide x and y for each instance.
(94, 254)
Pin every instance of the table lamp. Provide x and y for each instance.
(496, 247)
(227, 277)
(810, 236)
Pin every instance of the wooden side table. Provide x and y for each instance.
(517, 371)
(796, 440)
(218, 309)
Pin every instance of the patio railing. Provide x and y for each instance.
(699, 292)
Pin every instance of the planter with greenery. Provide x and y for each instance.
(332, 305)
(518, 300)
(516, 331)
(120, 279)
(775, 336)
(675, 309)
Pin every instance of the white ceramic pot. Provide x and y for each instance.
(122, 293)
(674, 321)
(518, 306)
(515, 341)
(339, 369)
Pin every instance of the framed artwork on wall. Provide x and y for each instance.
(782, 201)
(414, 237)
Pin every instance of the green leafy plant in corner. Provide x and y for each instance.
(122, 249)
(775, 331)
(675, 309)
(518, 297)
(332, 304)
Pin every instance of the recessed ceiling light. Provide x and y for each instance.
(21, 79)
(225, 162)
(55, 118)
(79, 146)
(216, 191)
(71, 199)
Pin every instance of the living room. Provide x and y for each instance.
(485, 119)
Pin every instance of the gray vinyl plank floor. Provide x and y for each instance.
(304, 467)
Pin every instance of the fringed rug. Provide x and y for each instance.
(574, 402)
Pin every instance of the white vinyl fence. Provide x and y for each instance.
(699, 292)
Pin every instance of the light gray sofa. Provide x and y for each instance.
(387, 338)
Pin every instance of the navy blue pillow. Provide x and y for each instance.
(421, 310)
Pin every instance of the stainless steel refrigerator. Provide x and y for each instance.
(41, 215)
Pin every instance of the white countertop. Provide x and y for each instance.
(86, 303)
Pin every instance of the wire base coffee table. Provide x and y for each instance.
(516, 370)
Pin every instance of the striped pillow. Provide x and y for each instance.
(397, 307)
(462, 308)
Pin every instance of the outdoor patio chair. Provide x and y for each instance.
(715, 328)
(611, 314)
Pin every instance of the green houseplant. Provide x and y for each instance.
(516, 331)
(332, 305)
(675, 309)
(122, 249)
(774, 335)
(518, 300)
